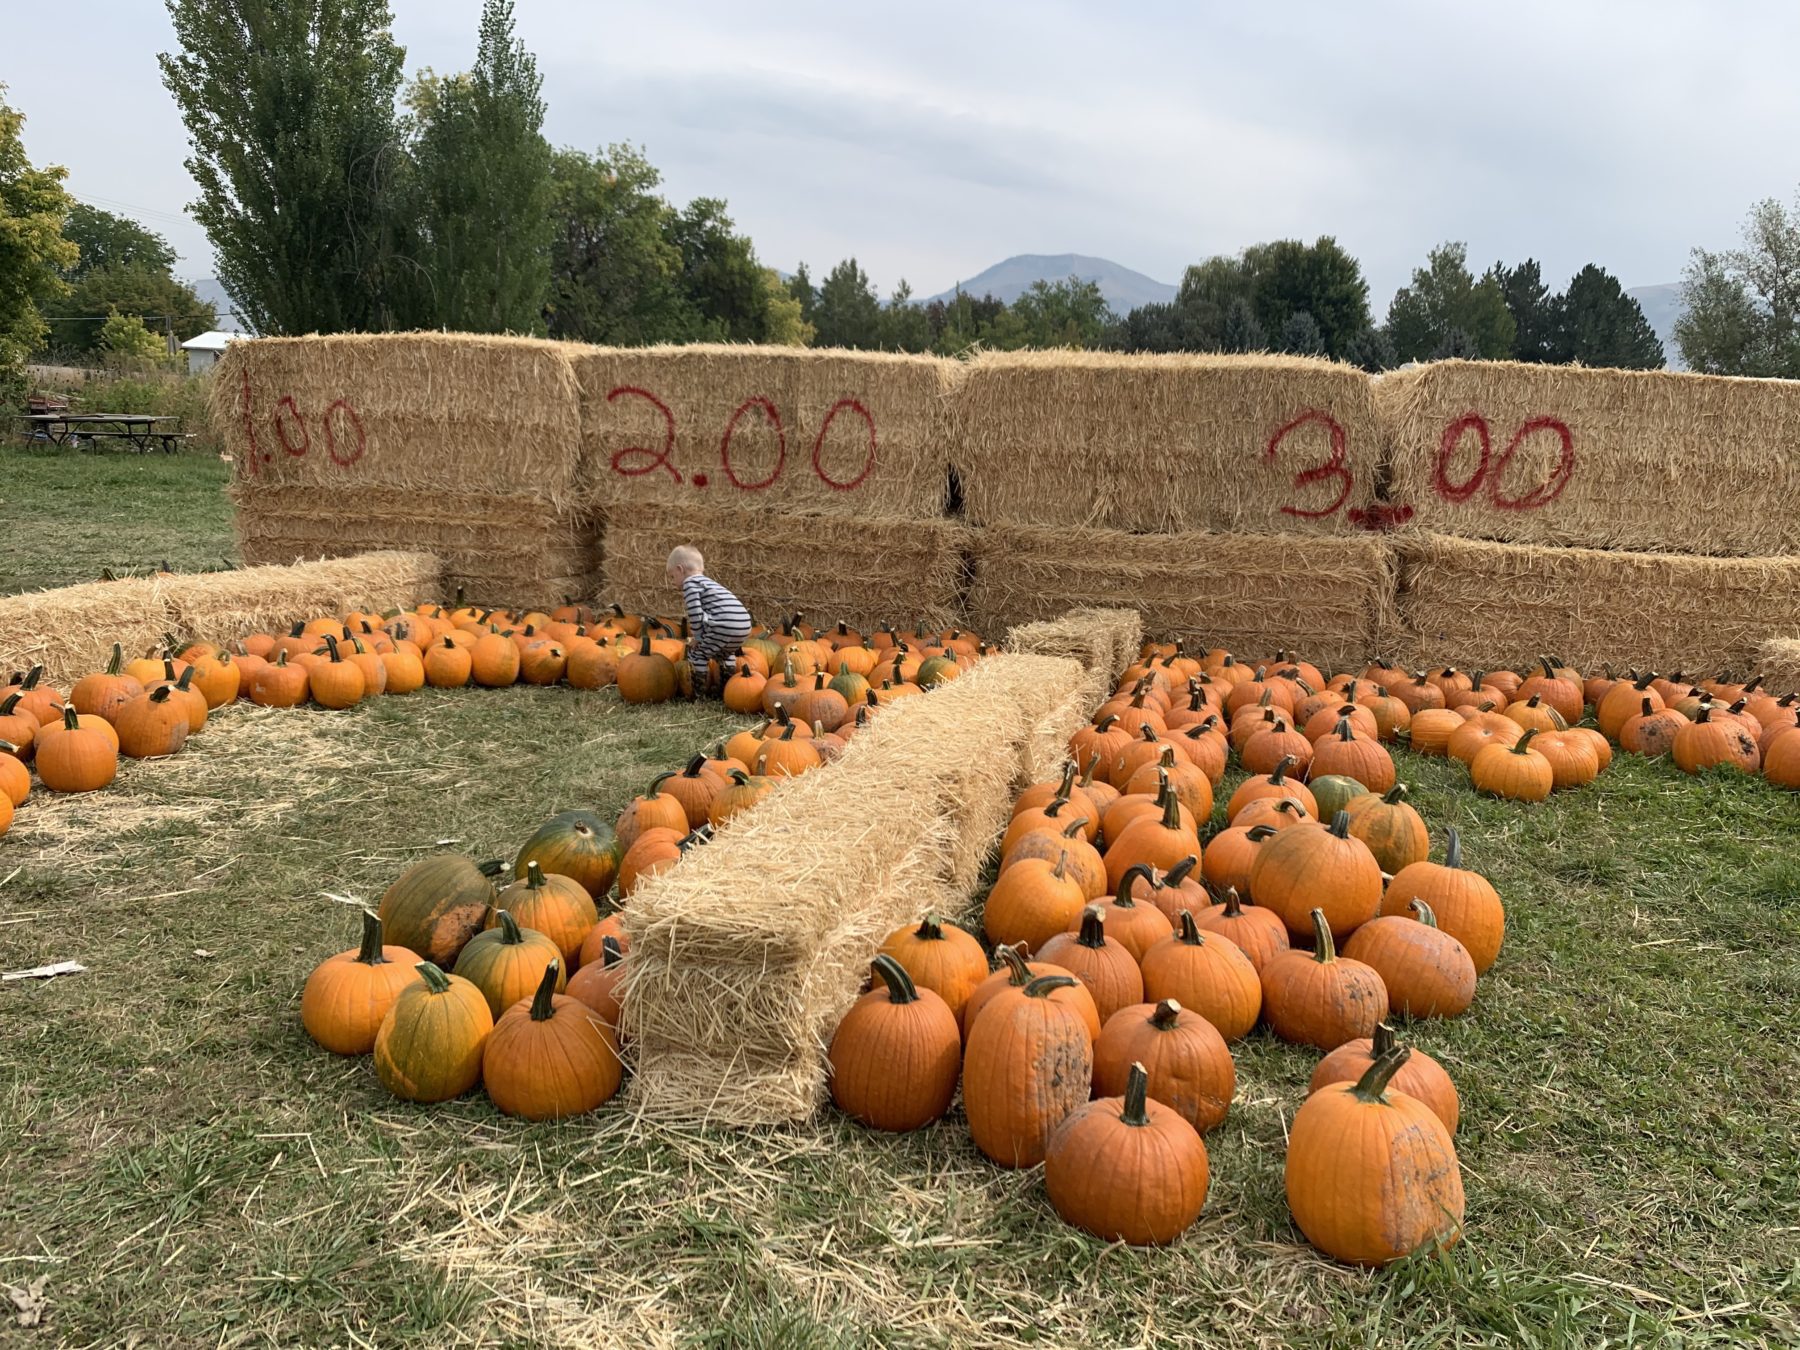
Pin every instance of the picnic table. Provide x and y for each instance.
(143, 433)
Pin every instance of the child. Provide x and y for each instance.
(718, 623)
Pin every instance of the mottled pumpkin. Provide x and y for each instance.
(429, 1046)
(1315, 866)
(435, 906)
(1391, 826)
(554, 905)
(1028, 1064)
(506, 962)
(1189, 1067)
(576, 844)
(1013, 971)
(1427, 972)
(1317, 998)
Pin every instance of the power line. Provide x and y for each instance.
(109, 202)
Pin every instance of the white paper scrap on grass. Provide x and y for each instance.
(45, 972)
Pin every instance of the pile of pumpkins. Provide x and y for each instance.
(458, 982)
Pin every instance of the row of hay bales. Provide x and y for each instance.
(1479, 511)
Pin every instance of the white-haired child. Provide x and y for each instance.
(718, 623)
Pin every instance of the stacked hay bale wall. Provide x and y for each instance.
(745, 955)
(70, 631)
(459, 445)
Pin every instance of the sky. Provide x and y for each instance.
(930, 140)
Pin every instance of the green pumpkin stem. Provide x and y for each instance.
(534, 875)
(1178, 873)
(1122, 896)
(930, 929)
(1340, 824)
(509, 928)
(70, 720)
(1042, 986)
(1385, 1041)
(1324, 949)
(435, 980)
(118, 655)
(1171, 804)
(1373, 1084)
(1453, 849)
(370, 951)
(1523, 743)
(611, 953)
(543, 1003)
(899, 984)
(1137, 1095)
(1425, 913)
(1279, 777)
(1190, 934)
(1018, 973)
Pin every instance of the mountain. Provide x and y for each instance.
(1662, 306)
(209, 290)
(1123, 288)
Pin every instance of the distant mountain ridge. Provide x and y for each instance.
(1007, 280)
(1662, 307)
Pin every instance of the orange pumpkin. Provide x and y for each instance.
(940, 957)
(1100, 962)
(1188, 1066)
(1028, 1064)
(896, 1054)
(1317, 998)
(1207, 973)
(347, 996)
(550, 1057)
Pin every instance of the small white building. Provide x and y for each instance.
(203, 351)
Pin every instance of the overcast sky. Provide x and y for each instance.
(932, 139)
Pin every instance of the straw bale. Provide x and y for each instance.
(851, 433)
(1778, 662)
(501, 550)
(1325, 598)
(221, 605)
(426, 412)
(1104, 641)
(1475, 604)
(866, 572)
(1165, 443)
(745, 955)
(1656, 461)
(70, 631)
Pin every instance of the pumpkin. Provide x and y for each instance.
(1781, 761)
(940, 957)
(646, 676)
(1278, 813)
(1033, 900)
(1372, 1175)
(589, 664)
(1028, 1064)
(550, 1057)
(1257, 932)
(191, 701)
(654, 851)
(1207, 973)
(1081, 859)
(1624, 701)
(1652, 731)
(1553, 687)
(1515, 772)
(1100, 962)
(1231, 854)
(653, 809)
(741, 792)
(1464, 903)
(278, 684)
(1125, 810)
(337, 683)
(15, 778)
(1192, 788)
(896, 1054)
(1316, 866)
(152, 724)
(1136, 925)
(1421, 1076)
(1158, 840)
(1348, 752)
(17, 728)
(597, 982)
(556, 906)
(105, 692)
(1274, 784)
(1188, 1065)
(612, 926)
(507, 962)
(1039, 795)
(347, 996)
(1574, 762)
(435, 906)
(820, 703)
(1431, 730)
(428, 1048)
(576, 844)
(1392, 828)
(1317, 998)
(39, 700)
(786, 756)
(1273, 743)
(1334, 792)
(1127, 1168)
(75, 758)
(1427, 972)
(1174, 891)
(1013, 971)
(1710, 740)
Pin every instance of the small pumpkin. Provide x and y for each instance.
(1257, 932)
(347, 996)
(1028, 1064)
(653, 809)
(645, 675)
(429, 1046)
(550, 1057)
(552, 904)
(1421, 1076)
(1189, 1067)
(896, 1054)
(1515, 772)
(1013, 971)
(1102, 963)
(940, 957)
(597, 983)
(506, 962)
(1159, 840)
(106, 691)
(152, 724)
(1274, 784)
(72, 757)
(1317, 998)
(1207, 973)
(1708, 741)
(1032, 901)
(15, 778)
(1231, 854)
(1137, 925)
(1651, 733)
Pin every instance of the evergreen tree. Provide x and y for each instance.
(1537, 313)
(1603, 326)
(847, 312)
(1445, 298)
(801, 288)
(1242, 331)
(1456, 342)
(905, 327)
(1300, 335)
(1373, 350)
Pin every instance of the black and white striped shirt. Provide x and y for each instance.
(717, 619)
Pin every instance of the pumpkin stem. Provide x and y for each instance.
(1122, 897)
(160, 694)
(1018, 974)
(655, 789)
(1453, 850)
(1395, 795)
(1372, 1086)
(1171, 804)
(543, 1006)
(1258, 833)
(1234, 905)
(70, 721)
(1066, 784)
(930, 929)
(1074, 827)
(435, 980)
(1340, 824)
(1425, 913)
(899, 984)
(490, 869)
(1137, 1093)
(1062, 863)
(1645, 681)
(1549, 670)
(1042, 986)
(118, 655)
(1167, 1013)
(1279, 777)
(509, 928)
(1178, 873)
(1190, 934)
(534, 875)
(1056, 805)
(1093, 928)
(1385, 1040)
(1524, 742)
(694, 766)
(1324, 949)
(370, 952)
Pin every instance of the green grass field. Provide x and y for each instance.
(180, 1165)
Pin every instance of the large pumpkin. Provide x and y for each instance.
(940, 957)
(429, 1046)
(550, 1056)
(435, 906)
(1314, 866)
(1391, 826)
(554, 905)
(1028, 1064)
(347, 997)
(1426, 971)
(1316, 998)
(1189, 1066)
(576, 844)
(1257, 932)
(896, 1054)
(1102, 963)
(646, 676)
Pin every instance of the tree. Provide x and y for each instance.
(483, 188)
(1537, 314)
(108, 240)
(1205, 298)
(720, 276)
(963, 322)
(784, 320)
(1067, 313)
(135, 289)
(847, 313)
(1242, 331)
(1156, 327)
(1740, 307)
(1445, 298)
(904, 325)
(801, 288)
(1373, 350)
(1603, 326)
(1456, 343)
(1320, 279)
(1300, 335)
(124, 337)
(615, 275)
(297, 150)
(33, 251)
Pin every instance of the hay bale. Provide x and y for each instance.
(836, 432)
(424, 412)
(864, 571)
(1654, 461)
(1164, 443)
(1478, 604)
(70, 630)
(1104, 641)
(500, 550)
(1327, 599)
(222, 605)
(1778, 662)
(745, 955)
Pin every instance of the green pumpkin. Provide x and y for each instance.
(1333, 792)
(849, 686)
(936, 670)
(578, 845)
(437, 905)
(508, 963)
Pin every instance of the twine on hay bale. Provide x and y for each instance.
(425, 412)
(1778, 662)
(1473, 603)
(860, 433)
(1165, 443)
(745, 955)
(863, 571)
(1656, 461)
(1327, 599)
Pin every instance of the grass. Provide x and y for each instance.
(184, 1166)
